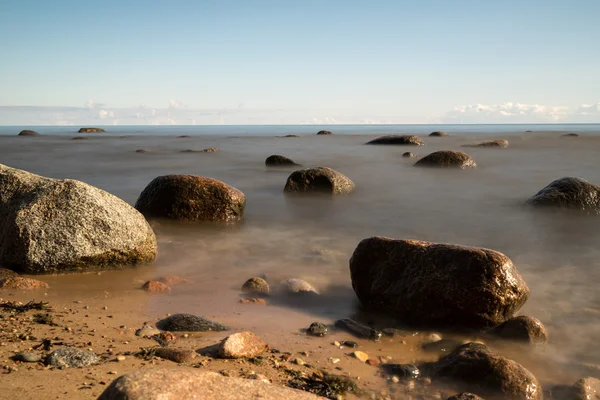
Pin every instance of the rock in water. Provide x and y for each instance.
(91, 130)
(570, 135)
(192, 198)
(189, 323)
(501, 144)
(318, 180)
(80, 138)
(522, 329)
(317, 329)
(296, 286)
(408, 154)
(569, 193)
(437, 285)
(474, 368)
(256, 286)
(278, 161)
(28, 132)
(71, 357)
(410, 140)
(7, 273)
(53, 226)
(156, 287)
(243, 344)
(20, 283)
(586, 389)
(182, 384)
(324, 133)
(447, 159)
(438, 134)
(465, 396)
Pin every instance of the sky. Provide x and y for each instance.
(108, 62)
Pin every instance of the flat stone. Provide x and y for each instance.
(178, 355)
(27, 357)
(361, 356)
(243, 344)
(71, 357)
(190, 323)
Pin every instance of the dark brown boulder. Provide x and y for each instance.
(318, 180)
(91, 130)
(522, 329)
(465, 396)
(28, 132)
(257, 286)
(407, 140)
(474, 368)
(447, 159)
(500, 144)
(278, 161)
(569, 193)
(192, 198)
(324, 133)
(586, 389)
(437, 285)
(438, 134)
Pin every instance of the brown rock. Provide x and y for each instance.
(296, 286)
(372, 362)
(474, 368)
(28, 132)
(210, 150)
(318, 180)
(184, 384)
(501, 144)
(438, 134)
(410, 140)
(180, 356)
(522, 329)
(156, 287)
(586, 389)
(20, 283)
(437, 285)
(243, 344)
(7, 273)
(408, 154)
(254, 300)
(278, 161)
(447, 159)
(324, 133)
(256, 286)
(569, 193)
(192, 198)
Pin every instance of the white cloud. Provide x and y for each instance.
(175, 104)
(103, 114)
(588, 109)
(507, 112)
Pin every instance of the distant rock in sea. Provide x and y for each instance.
(406, 140)
(91, 130)
(501, 144)
(80, 138)
(569, 193)
(318, 180)
(438, 134)
(447, 159)
(408, 154)
(324, 133)
(278, 161)
(570, 135)
(28, 132)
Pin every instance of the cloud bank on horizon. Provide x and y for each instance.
(177, 113)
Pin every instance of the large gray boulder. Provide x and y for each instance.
(447, 159)
(53, 226)
(318, 180)
(473, 367)
(437, 285)
(192, 198)
(410, 140)
(569, 193)
(181, 384)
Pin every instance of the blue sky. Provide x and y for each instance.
(311, 61)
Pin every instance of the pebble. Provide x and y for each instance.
(350, 343)
(432, 338)
(27, 357)
(121, 358)
(336, 343)
(112, 372)
(299, 361)
(363, 357)
(395, 379)
(334, 360)
(372, 362)
(317, 329)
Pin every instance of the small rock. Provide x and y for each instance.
(209, 150)
(299, 361)
(28, 132)
(319, 180)
(180, 356)
(336, 343)
(71, 357)
(350, 343)
(447, 159)
(80, 138)
(278, 161)
(395, 379)
(243, 344)
(147, 331)
(121, 358)
(297, 286)
(141, 151)
(393, 332)
(372, 362)
(112, 372)
(408, 154)
(20, 283)
(404, 371)
(259, 377)
(324, 133)
(156, 287)
(334, 360)
(256, 285)
(438, 134)
(317, 329)
(361, 356)
(253, 300)
(398, 140)
(522, 329)
(501, 144)
(91, 130)
(189, 323)
(27, 357)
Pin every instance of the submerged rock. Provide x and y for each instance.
(71, 357)
(437, 285)
(177, 383)
(192, 198)
(324, 133)
(21, 283)
(319, 180)
(410, 140)
(243, 344)
(53, 226)
(447, 159)
(296, 286)
(189, 323)
(586, 389)
(278, 161)
(256, 286)
(522, 329)
(28, 132)
(317, 329)
(402, 371)
(80, 138)
(569, 193)
(438, 134)
(502, 144)
(570, 135)
(91, 130)
(474, 368)
(408, 154)
(173, 280)
(156, 287)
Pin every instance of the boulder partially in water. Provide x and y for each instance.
(256, 286)
(586, 389)
(407, 140)
(296, 286)
(569, 193)
(318, 180)
(438, 134)
(28, 132)
(437, 285)
(192, 198)
(324, 133)
(473, 367)
(522, 329)
(91, 130)
(278, 161)
(500, 144)
(447, 159)
(53, 226)
(189, 323)
(408, 154)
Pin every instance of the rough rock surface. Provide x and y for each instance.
(569, 193)
(189, 323)
(318, 180)
(438, 134)
(50, 226)
(465, 396)
(522, 329)
(91, 130)
(182, 384)
(20, 283)
(256, 286)
(324, 133)
(243, 344)
(408, 154)
(192, 198)
(317, 329)
(437, 285)
(71, 357)
(586, 389)
(180, 356)
(278, 161)
(447, 159)
(28, 132)
(296, 286)
(474, 368)
(7, 273)
(502, 144)
(410, 140)
(156, 287)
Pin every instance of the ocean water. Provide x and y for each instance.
(313, 238)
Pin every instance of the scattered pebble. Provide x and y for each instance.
(299, 361)
(121, 358)
(350, 343)
(363, 357)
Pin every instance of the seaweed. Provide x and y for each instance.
(17, 307)
(45, 319)
(326, 385)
